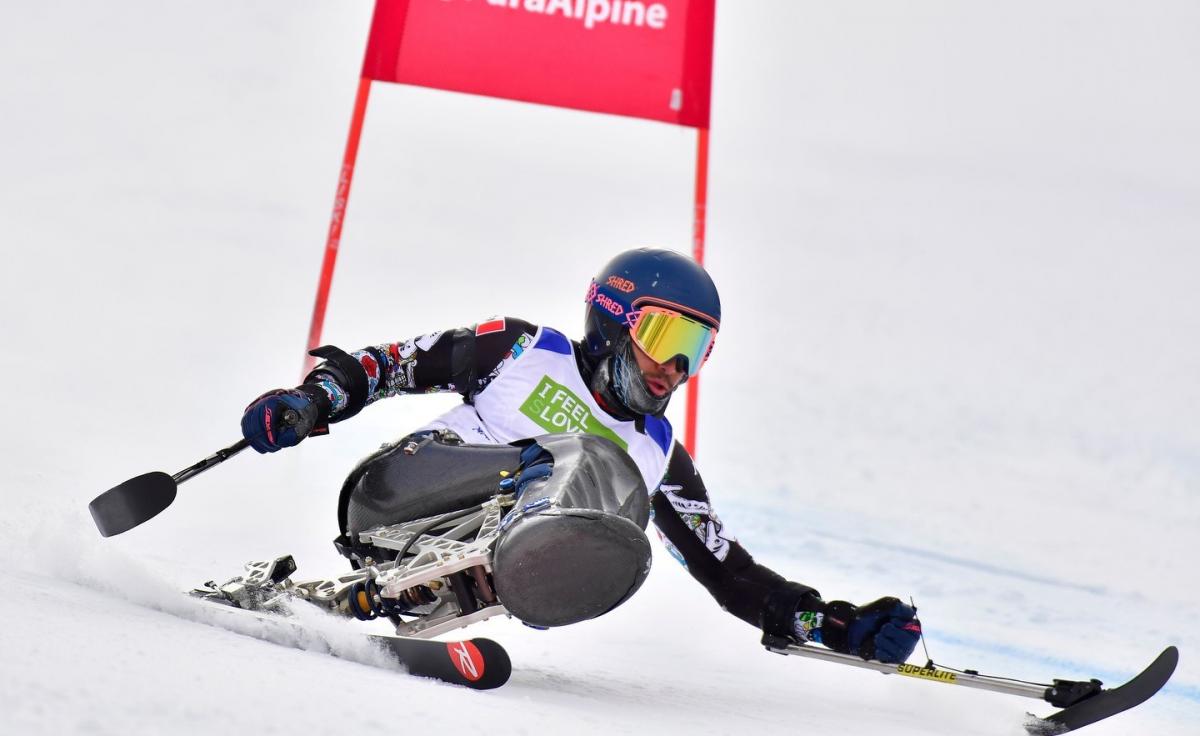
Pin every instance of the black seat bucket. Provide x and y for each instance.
(575, 546)
(572, 548)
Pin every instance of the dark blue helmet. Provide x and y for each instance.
(645, 276)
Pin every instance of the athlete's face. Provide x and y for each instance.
(661, 378)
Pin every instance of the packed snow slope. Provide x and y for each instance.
(958, 246)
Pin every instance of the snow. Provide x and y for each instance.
(957, 245)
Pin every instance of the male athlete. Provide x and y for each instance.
(652, 318)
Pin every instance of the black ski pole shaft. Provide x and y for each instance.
(211, 461)
(290, 418)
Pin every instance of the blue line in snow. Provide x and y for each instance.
(972, 564)
(939, 557)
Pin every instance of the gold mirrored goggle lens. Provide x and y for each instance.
(663, 334)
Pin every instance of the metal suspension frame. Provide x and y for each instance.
(441, 577)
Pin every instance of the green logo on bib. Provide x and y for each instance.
(556, 409)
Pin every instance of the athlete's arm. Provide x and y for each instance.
(886, 629)
(462, 360)
(687, 523)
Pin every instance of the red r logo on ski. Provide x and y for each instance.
(467, 659)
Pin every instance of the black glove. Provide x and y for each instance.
(280, 418)
(886, 630)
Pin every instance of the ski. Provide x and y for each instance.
(1082, 702)
(1105, 703)
(480, 664)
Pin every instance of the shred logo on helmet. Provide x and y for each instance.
(620, 284)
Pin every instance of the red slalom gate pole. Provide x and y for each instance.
(335, 222)
(693, 387)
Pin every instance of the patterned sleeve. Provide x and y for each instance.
(463, 360)
(692, 532)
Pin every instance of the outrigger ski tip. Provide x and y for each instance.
(1102, 703)
(140, 499)
(1082, 702)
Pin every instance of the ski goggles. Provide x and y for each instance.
(663, 334)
